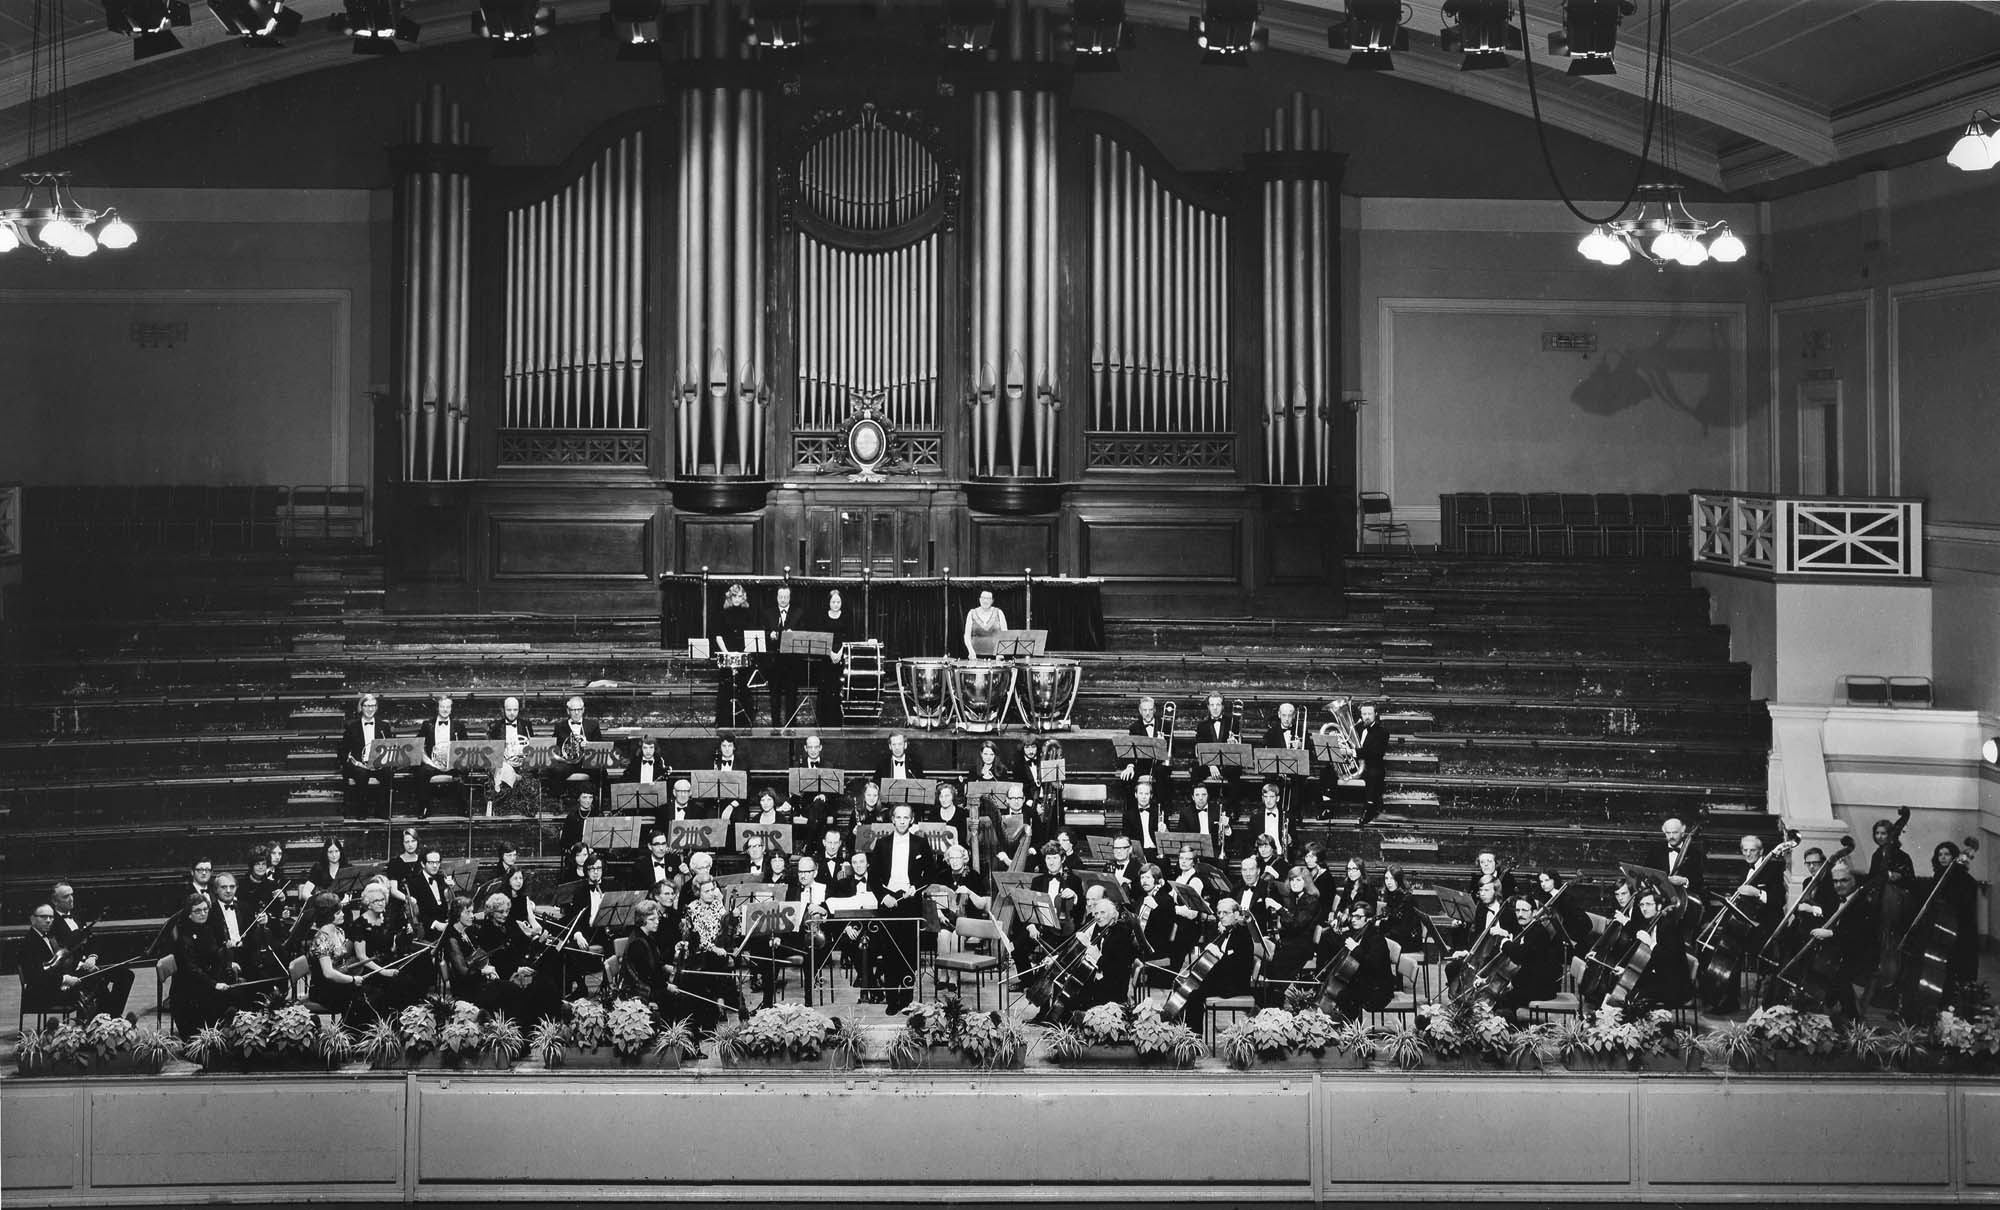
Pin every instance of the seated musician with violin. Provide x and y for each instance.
(501, 949)
(1224, 966)
(1158, 928)
(106, 987)
(645, 971)
(1531, 961)
(706, 956)
(243, 936)
(589, 941)
(381, 952)
(204, 992)
(469, 971)
(1360, 978)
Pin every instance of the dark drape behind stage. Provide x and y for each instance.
(911, 617)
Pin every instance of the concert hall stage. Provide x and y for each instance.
(887, 1137)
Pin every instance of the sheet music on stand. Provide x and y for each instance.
(1113, 889)
(720, 784)
(1100, 848)
(1660, 879)
(1460, 907)
(355, 875)
(1330, 749)
(816, 781)
(806, 642)
(1223, 756)
(977, 792)
(635, 799)
(739, 889)
(1015, 644)
(613, 831)
(1053, 770)
(1189, 898)
(1129, 749)
(755, 642)
(698, 650)
(915, 791)
(617, 909)
(777, 837)
(1281, 762)
(1171, 843)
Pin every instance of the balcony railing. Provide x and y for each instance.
(1872, 537)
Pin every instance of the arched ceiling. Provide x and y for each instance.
(1763, 89)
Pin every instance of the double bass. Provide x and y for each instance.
(1805, 896)
(1926, 946)
(1723, 943)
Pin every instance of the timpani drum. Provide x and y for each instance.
(921, 680)
(1047, 691)
(980, 690)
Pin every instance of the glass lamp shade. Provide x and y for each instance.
(1726, 247)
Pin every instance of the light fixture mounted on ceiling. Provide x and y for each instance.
(1483, 29)
(635, 26)
(1369, 31)
(149, 23)
(257, 22)
(1978, 148)
(513, 25)
(1589, 35)
(1663, 231)
(1097, 32)
(48, 219)
(375, 25)
(967, 27)
(1229, 32)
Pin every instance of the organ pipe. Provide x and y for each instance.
(434, 200)
(1297, 251)
(575, 347)
(1158, 299)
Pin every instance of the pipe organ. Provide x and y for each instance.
(1159, 335)
(574, 348)
(1300, 211)
(434, 207)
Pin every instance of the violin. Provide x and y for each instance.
(66, 957)
(1926, 947)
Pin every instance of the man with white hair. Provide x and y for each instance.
(1229, 975)
(574, 728)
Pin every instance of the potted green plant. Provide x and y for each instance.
(461, 1040)
(1733, 1046)
(501, 1041)
(1631, 1041)
(1404, 1046)
(1905, 1047)
(789, 1035)
(1794, 1040)
(421, 1028)
(945, 1032)
(1443, 1034)
(1968, 1041)
(104, 1044)
(1156, 1040)
(1269, 1036)
(380, 1045)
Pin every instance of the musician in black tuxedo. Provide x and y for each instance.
(1065, 889)
(582, 904)
(1110, 948)
(1149, 725)
(573, 726)
(1200, 814)
(240, 935)
(512, 724)
(900, 761)
(367, 787)
(785, 671)
(430, 895)
(1234, 965)
(1146, 817)
(899, 866)
(1373, 752)
(1126, 865)
(645, 768)
(1374, 982)
(657, 864)
(441, 730)
(1216, 728)
(1681, 860)
(111, 988)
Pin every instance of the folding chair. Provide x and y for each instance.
(1378, 520)
(163, 974)
(981, 964)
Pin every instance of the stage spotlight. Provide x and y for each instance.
(512, 24)
(1228, 32)
(968, 25)
(1590, 34)
(1368, 33)
(1991, 749)
(1098, 33)
(257, 22)
(149, 23)
(635, 26)
(1483, 29)
(778, 25)
(376, 25)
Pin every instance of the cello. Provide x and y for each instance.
(1496, 975)
(1722, 944)
(1814, 981)
(1805, 896)
(1925, 973)
(1199, 968)
(1339, 974)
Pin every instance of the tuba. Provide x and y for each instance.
(1347, 741)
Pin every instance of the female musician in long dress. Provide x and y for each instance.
(827, 677)
(1297, 934)
(983, 624)
(1958, 901)
(320, 877)
(469, 971)
(735, 702)
(1402, 923)
(377, 938)
(644, 972)
(330, 985)
(201, 972)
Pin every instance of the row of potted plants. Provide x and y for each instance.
(629, 1033)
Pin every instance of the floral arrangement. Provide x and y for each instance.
(1970, 1036)
(987, 1039)
(101, 1042)
(788, 1031)
(1277, 1033)
(1611, 1033)
(1151, 1036)
(1786, 1028)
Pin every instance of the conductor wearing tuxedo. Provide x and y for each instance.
(899, 866)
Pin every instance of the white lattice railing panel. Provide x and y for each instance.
(1875, 538)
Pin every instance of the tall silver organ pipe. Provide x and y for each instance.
(868, 327)
(1013, 354)
(574, 339)
(720, 372)
(434, 214)
(1300, 222)
(1159, 302)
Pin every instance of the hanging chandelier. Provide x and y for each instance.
(1663, 232)
(48, 219)
(1977, 149)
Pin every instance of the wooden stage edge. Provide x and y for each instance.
(1076, 1137)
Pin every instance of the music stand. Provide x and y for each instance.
(1174, 842)
(1033, 907)
(1113, 889)
(634, 799)
(776, 836)
(816, 781)
(806, 642)
(1099, 847)
(1189, 898)
(1132, 749)
(462, 871)
(1223, 756)
(1331, 749)
(355, 875)
(720, 783)
(1282, 762)
(698, 650)
(755, 643)
(977, 792)
(911, 791)
(617, 909)
(690, 835)
(1014, 644)
(936, 833)
(1458, 907)
(613, 831)
(1660, 879)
